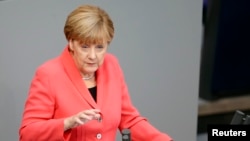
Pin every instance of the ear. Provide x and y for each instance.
(71, 45)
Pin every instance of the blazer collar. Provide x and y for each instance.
(74, 74)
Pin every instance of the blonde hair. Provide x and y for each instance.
(89, 24)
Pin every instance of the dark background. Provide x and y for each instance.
(225, 60)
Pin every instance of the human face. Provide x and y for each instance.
(88, 58)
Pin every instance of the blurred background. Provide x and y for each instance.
(224, 85)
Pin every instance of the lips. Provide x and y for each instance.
(91, 64)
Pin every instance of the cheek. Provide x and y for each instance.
(100, 58)
(80, 57)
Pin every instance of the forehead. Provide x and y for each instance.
(94, 40)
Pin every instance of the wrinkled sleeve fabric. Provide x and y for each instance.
(140, 128)
(37, 122)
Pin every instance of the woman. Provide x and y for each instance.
(82, 94)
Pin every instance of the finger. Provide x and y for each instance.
(79, 121)
(86, 117)
(97, 116)
(96, 110)
(90, 117)
(91, 112)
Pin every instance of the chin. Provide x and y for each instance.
(91, 70)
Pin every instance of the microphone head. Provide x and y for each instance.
(237, 118)
(126, 131)
(247, 120)
(126, 135)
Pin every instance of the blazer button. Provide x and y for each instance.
(99, 136)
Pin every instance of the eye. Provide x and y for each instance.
(99, 46)
(84, 46)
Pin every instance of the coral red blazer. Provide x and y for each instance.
(57, 91)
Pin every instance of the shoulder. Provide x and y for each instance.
(110, 65)
(110, 60)
(51, 66)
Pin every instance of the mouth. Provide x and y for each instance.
(91, 64)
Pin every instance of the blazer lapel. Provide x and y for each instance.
(75, 77)
(100, 87)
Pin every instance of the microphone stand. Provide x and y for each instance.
(237, 118)
(240, 118)
(126, 135)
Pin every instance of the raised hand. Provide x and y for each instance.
(81, 118)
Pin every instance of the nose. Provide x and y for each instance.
(92, 53)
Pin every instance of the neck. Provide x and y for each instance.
(88, 76)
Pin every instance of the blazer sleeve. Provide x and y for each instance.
(37, 123)
(141, 129)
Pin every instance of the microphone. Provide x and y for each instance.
(247, 120)
(237, 118)
(126, 135)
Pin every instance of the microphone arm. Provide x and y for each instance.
(126, 135)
